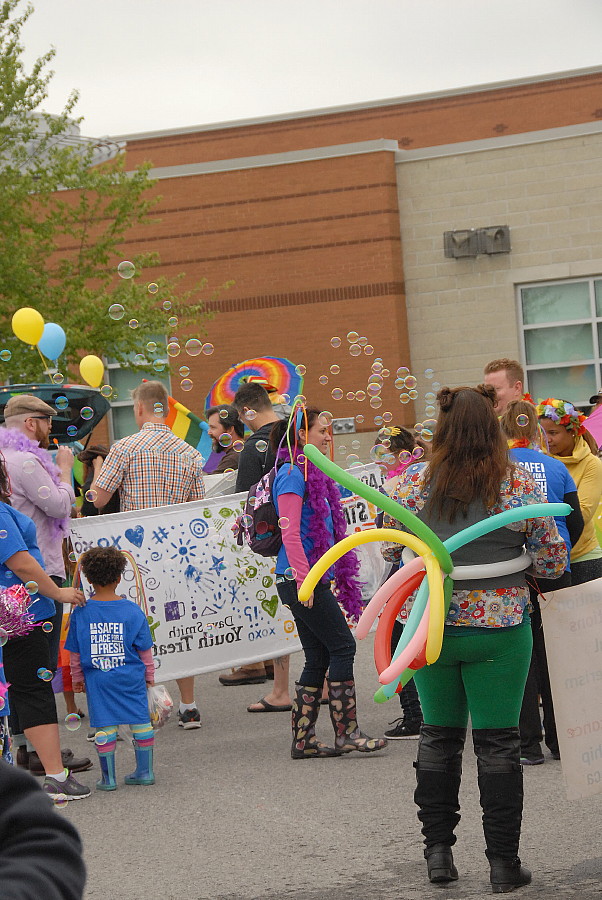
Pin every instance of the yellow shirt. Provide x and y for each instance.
(586, 470)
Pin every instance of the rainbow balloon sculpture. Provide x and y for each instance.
(276, 371)
(432, 572)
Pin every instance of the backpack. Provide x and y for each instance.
(258, 523)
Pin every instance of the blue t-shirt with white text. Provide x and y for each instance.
(18, 533)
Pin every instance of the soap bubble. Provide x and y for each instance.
(116, 311)
(250, 415)
(238, 445)
(186, 384)
(3, 637)
(159, 365)
(355, 445)
(342, 450)
(418, 452)
(173, 349)
(184, 371)
(522, 420)
(139, 359)
(72, 722)
(44, 674)
(376, 402)
(87, 413)
(47, 627)
(325, 418)
(71, 430)
(223, 413)
(428, 373)
(173, 321)
(404, 398)
(352, 337)
(283, 522)
(362, 341)
(5, 355)
(290, 574)
(399, 384)
(368, 349)
(3, 533)
(360, 395)
(350, 395)
(430, 397)
(359, 419)
(404, 456)
(413, 395)
(208, 349)
(31, 587)
(334, 369)
(300, 369)
(158, 409)
(151, 347)
(426, 434)
(411, 381)
(225, 440)
(335, 342)
(106, 390)
(29, 466)
(385, 373)
(126, 269)
(430, 410)
(58, 378)
(261, 446)
(323, 379)
(355, 350)
(436, 386)
(418, 427)
(61, 403)
(91, 495)
(377, 366)
(300, 398)
(153, 288)
(133, 323)
(44, 492)
(72, 556)
(336, 394)
(374, 389)
(101, 738)
(167, 305)
(387, 417)
(402, 372)
(353, 460)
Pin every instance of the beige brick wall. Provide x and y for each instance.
(462, 313)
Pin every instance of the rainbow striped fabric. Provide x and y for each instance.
(189, 427)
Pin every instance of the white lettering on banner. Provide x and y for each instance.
(572, 621)
(211, 604)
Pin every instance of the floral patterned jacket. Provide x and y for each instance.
(493, 608)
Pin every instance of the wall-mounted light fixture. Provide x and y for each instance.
(470, 242)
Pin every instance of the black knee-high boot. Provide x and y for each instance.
(501, 790)
(438, 776)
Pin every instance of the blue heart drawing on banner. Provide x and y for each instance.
(135, 535)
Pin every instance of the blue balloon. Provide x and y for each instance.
(53, 340)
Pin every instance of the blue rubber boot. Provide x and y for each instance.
(108, 781)
(144, 766)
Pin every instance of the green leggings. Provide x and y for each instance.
(481, 674)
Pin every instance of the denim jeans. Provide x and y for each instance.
(324, 634)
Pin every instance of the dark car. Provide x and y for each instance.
(78, 408)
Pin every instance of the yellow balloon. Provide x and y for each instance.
(28, 325)
(92, 370)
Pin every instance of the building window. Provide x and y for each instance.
(121, 417)
(561, 330)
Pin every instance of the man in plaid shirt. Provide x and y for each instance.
(153, 468)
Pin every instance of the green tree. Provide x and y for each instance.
(63, 221)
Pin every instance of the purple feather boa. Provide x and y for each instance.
(15, 440)
(320, 487)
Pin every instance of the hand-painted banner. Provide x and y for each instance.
(211, 604)
(572, 622)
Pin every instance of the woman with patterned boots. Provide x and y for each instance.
(312, 520)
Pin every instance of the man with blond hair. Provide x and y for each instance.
(153, 468)
(507, 376)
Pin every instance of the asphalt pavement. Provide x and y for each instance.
(232, 817)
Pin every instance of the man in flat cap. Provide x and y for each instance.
(41, 489)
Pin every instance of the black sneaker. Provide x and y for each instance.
(189, 719)
(403, 731)
(70, 789)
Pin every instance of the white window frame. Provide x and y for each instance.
(593, 321)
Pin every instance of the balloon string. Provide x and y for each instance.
(44, 363)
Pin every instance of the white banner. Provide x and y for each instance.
(211, 604)
(572, 622)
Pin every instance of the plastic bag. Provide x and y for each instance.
(160, 705)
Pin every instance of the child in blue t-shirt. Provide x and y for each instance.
(111, 658)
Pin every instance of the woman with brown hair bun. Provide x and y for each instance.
(487, 640)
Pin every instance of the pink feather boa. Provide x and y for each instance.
(13, 439)
(320, 487)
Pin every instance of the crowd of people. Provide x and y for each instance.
(492, 448)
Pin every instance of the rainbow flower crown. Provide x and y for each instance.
(562, 412)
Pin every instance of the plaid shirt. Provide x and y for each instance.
(153, 468)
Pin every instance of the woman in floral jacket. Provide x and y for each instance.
(487, 640)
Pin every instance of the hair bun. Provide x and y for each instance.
(445, 398)
(488, 391)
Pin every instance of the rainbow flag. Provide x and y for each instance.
(189, 427)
